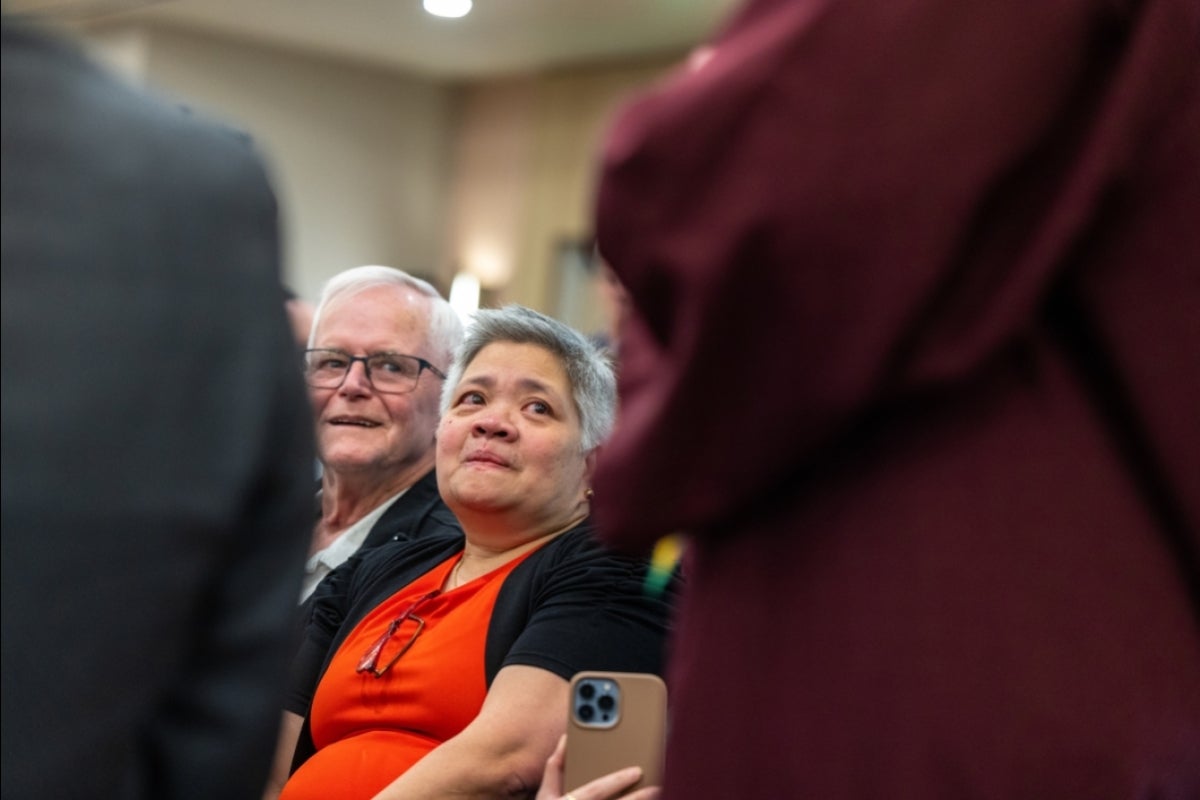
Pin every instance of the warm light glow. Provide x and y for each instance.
(488, 262)
(464, 296)
(448, 8)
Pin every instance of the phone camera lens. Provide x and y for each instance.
(587, 691)
(606, 703)
(586, 713)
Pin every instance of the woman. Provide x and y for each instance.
(439, 667)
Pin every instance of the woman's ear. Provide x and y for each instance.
(589, 465)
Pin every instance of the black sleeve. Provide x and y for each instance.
(589, 609)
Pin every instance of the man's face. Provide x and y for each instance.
(358, 429)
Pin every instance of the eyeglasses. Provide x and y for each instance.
(390, 373)
(370, 660)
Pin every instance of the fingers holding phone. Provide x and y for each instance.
(606, 787)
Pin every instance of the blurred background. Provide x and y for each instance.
(451, 148)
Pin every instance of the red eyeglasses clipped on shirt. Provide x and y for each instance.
(370, 660)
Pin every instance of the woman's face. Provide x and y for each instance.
(508, 447)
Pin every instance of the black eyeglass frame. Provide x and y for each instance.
(422, 365)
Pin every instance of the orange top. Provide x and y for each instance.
(369, 730)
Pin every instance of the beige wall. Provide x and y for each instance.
(525, 173)
(572, 115)
(122, 47)
(374, 166)
(360, 157)
(489, 184)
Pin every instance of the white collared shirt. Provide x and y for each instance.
(326, 560)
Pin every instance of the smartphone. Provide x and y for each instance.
(615, 720)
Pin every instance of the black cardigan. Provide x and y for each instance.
(419, 512)
(569, 606)
(416, 514)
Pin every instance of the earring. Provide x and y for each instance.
(589, 494)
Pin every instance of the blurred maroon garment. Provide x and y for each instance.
(915, 358)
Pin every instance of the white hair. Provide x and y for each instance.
(445, 328)
(589, 371)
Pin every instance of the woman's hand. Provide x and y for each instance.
(603, 788)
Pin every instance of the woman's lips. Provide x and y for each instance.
(485, 457)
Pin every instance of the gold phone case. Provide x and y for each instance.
(631, 730)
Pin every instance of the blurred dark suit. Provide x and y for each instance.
(156, 446)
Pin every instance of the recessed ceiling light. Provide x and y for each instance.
(448, 8)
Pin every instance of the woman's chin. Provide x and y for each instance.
(483, 503)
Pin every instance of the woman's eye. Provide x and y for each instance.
(471, 399)
(538, 407)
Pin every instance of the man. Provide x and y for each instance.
(380, 345)
(156, 456)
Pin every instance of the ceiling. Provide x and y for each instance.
(498, 37)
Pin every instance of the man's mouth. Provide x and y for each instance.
(353, 421)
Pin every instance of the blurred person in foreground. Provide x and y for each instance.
(438, 667)
(913, 356)
(380, 344)
(300, 316)
(156, 447)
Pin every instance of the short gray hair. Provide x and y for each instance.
(445, 328)
(589, 371)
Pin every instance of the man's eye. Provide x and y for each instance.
(331, 362)
(394, 366)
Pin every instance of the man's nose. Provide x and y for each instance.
(357, 380)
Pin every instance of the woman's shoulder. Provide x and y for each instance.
(581, 538)
(375, 573)
(577, 544)
(389, 558)
(576, 604)
(577, 560)
(371, 576)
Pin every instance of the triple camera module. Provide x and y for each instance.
(597, 703)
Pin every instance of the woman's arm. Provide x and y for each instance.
(503, 751)
(281, 767)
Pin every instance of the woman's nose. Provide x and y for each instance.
(494, 424)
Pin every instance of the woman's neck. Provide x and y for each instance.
(487, 550)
